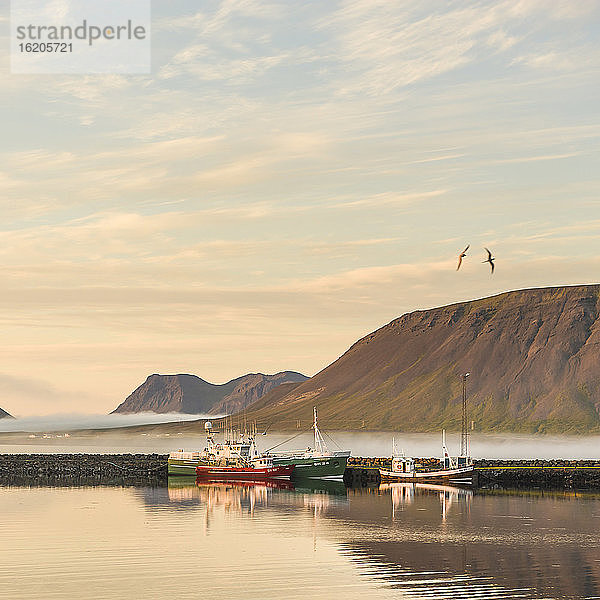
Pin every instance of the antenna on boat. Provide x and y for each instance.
(446, 460)
(209, 435)
(464, 435)
(320, 445)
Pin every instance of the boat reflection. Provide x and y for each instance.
(403, 494)
(188, 491)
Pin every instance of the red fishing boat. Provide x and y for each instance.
(237, 459)
(250, 473)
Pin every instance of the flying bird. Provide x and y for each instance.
(490, 259)
(461, 256)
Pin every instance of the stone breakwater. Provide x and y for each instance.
(545, 474)
(533, 473)
(151, 470)
(83, 469)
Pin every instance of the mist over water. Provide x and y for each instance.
(496, 446)
(499, 446)
(69, 422)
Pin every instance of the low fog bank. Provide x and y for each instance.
(497, 446)
(493, 446)
(72, 422)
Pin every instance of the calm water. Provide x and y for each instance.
(254, 541)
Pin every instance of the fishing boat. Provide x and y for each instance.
(455, 469)
(253, 471)
(318, 462)
(183, 462)
(237, 459)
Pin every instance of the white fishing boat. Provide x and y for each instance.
(457, 469)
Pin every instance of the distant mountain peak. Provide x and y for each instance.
(189, 394)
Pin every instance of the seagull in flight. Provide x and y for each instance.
(490, 259)
(461, 256)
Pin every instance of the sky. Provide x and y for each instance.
(290, 177)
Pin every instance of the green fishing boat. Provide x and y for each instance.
(183, 463)
(317, 462)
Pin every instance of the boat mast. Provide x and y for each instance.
(464, 435)
(320, 445)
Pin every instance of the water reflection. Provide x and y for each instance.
(427, 540)
(403, 494)
(395, 541)
(246, 496)
(442, 541)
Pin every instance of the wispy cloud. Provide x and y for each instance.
(524, 159)
(388, 45)
(390, 198)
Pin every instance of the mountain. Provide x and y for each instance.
(532, 356)
(5, 415)
(191, 395)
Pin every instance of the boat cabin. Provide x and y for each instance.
(403, 464)
(181, 455)
(456, 462)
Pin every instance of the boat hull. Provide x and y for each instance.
(464, 474)
(181, 466)
(322, 467)
(244, 473)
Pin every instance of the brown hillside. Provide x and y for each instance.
(532, 355)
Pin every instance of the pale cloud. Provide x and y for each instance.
(233, 70)
(368, 277)
(555, 61)
(391, 198)
(501, 40)
(195, 61)
(435, 159)
(391, 45)
(30, 395)
(525, 159)
(253, 54)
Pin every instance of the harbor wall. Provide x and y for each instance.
(151, 469)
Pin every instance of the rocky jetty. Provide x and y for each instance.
(83, 469)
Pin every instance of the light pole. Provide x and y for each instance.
(464, 436)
